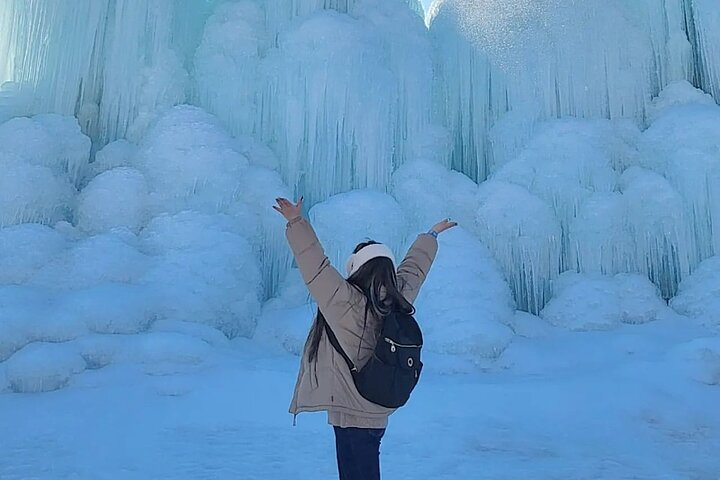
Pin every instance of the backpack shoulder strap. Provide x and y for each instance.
(336, 345)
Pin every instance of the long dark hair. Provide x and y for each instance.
(377, 280)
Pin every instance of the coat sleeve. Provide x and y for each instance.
(333, 294)
(414, 268)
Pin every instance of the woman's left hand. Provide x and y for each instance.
(289, 210)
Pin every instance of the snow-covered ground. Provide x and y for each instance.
(581, 405)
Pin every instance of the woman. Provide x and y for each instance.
(353, 309)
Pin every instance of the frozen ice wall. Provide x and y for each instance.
(340, 93)
(553, 130)
(552, 58)
(335, 81)
(111, 63)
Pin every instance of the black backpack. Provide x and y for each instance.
(392, 372)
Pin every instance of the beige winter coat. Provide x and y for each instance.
(327, 383)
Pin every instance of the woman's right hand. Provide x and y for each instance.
(444, 225)
(289, 210)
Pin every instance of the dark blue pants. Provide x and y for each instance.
(358, 452)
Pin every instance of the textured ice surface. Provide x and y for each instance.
(600, 302)
(699, 294)
(552, 58)
(476, 306)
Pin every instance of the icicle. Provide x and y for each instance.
(524, 236)
(598, 240)
(658, 228)
(706, 27)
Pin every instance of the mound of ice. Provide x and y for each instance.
(262, 226)
(42, 159)
(643, 228)
(694, 126)
(26, 248)
(286, 319)
(429, 192)
(93, 261)
(205, 271)
(118, 308)
(699, 293)
(43, 367)
(658, 228)
(26, 316)
(676, 94)
(347, 219)
(166, 347)
(189, 162)
(158, 350)
(610, 141)
(32, 193)
(72, 149)
(563, 164)
(286, 328)
(577, 151)
(598, 239)
(683, 144)
(47, 140)
(598, 302)
(699, 359)
(527, 325)
(119, 153)
(210, 335)
(117, 198)
(523, 235)
(465, 305)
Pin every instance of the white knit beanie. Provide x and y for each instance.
(366, 254)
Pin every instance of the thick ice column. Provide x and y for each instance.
(683, 144)
(409, 57)
(523, 235)
(227, 61)
(342, 98)
(658, 228)
(141, 72)
(706, 29)
(328, 107)
(598, 239)
(464, 101)
(52, 49)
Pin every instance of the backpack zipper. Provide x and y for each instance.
(400, 344)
